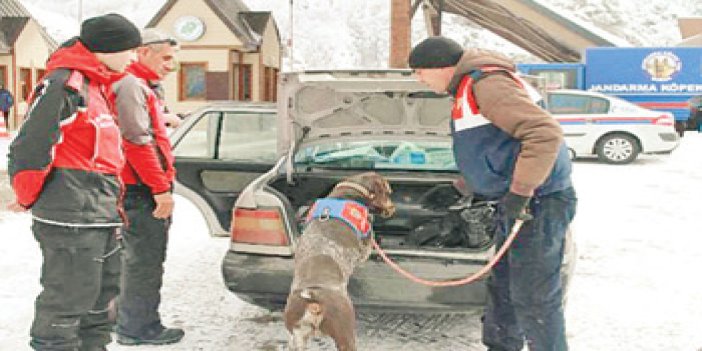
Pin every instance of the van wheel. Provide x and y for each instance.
(617, 149)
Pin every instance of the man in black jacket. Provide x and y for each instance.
(64, 165)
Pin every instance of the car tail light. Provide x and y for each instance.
(259, 226)
(665, 120)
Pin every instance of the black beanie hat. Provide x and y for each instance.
(435, 52)
(109, 34)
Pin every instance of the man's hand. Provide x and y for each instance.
(164, 205)
(515, 206)
(172, 120)
(16, 207)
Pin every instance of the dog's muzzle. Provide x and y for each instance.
(387, 211)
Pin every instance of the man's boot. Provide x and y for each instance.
(94, 348)
(159, 336)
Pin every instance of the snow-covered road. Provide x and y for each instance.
(636, 287)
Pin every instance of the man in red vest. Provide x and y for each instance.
(64, 165)
(148, 202)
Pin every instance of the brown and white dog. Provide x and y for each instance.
(325, 256)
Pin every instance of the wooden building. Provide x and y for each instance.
(24, 48)
(226, 52)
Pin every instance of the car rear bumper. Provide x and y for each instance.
(265, 281)
(662, 143)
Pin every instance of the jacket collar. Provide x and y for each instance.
(140, 70)
(74, 55)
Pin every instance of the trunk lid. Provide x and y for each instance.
(367, 104)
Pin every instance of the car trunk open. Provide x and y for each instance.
(430, 213)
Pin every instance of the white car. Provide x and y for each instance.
(260, 169)
(614, 130)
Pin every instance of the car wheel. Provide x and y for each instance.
(617, 149)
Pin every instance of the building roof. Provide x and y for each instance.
(256, 20)
(530, 35)
(11, 27)
(12, 8)
(14, 17)
(4, 49)
(247, 25)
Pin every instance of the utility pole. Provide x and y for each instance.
(290, 37)
(400, 35)
(80, 12)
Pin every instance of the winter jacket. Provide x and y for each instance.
(6, 100)
(145, 139)
(503, 141)
(66, 159)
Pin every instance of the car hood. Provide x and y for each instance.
(317, 105)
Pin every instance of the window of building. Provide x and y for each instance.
(266, 84)
(192, 81)
(3, 77)
(270, 80)
(274, 85)
(25, 83)
(557, 79)
(242, 82)
(40, 74)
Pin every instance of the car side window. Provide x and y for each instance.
(598, 105)
(199, 141)
(576, 104)
(249, 137)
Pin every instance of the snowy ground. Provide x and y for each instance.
(637, 284)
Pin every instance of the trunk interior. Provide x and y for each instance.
(430, 213)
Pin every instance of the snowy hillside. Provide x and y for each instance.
(353, 34)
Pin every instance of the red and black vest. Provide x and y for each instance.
(150, 164)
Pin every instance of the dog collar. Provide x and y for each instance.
(353, 213)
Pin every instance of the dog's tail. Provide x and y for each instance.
(314, 308)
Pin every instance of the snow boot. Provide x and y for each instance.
(163, 337)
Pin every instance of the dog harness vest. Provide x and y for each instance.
(354, 214)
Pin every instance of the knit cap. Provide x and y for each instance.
(435, 52)
(109, 34)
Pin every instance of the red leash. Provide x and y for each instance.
(467, 280)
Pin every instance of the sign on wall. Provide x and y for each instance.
(189, 28)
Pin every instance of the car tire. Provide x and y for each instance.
(617, 149)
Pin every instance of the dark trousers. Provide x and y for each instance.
(6, 118)
(145, 240)
(525, 293)
(79, 276)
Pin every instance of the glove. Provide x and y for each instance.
(514, 206)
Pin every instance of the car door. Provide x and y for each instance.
(217, 153)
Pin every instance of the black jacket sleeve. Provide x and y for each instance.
(31, 152)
